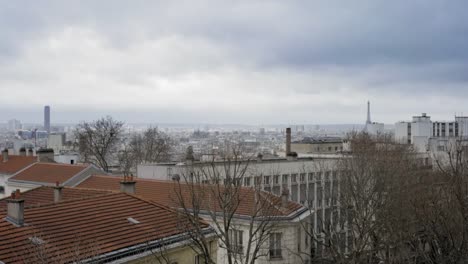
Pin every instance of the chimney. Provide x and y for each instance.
(15, 214)
(22, 151)
(288, 141)
(5, 155)
(284, 198)
(259, 157)
(58, 193)
(189, 157)
(45, 155)
(128, 185)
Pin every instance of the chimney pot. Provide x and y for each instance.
(15, 209)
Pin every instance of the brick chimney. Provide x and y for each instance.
(22, 151)
(284, 198)
(288, 141)
(128, 185)
(5, 155)
(15, 213)
(58, 193)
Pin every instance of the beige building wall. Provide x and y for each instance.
(323, 148)
(181, 255)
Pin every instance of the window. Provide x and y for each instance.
(2, 189)
(236, 240)
(285, 178)
(266, 179)
(275, 245)
(319, 176)
(276, 179)
(293, 178)
(258, 180)
(247, 181)
(302, 176)
(311, 176)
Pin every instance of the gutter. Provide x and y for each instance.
(127, 254)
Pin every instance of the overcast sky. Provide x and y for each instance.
(252, 62)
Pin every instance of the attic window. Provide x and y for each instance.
(133, 220)
(36, 241)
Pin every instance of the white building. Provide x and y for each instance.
(14, 125)
(313, 182)
(421, 129)
(56, 141)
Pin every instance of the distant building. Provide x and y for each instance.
(421, 130)
(14, 125)
(47, 118)
(56, 141)
(318, 145)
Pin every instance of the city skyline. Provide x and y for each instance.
(290, 63)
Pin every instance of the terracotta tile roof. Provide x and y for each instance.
(79, 229)
(15, 163)
(44, 195)
(49, 172)
(165, 192)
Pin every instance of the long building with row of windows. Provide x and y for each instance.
(311, 181)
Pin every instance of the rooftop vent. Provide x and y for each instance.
(133, 220)
(36, 241)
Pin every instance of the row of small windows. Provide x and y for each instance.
(295, 178)
(439, 129)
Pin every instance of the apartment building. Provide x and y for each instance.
(286, 237)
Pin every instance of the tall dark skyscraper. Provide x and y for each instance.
(47, 118)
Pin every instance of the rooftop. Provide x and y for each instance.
(49, 172)
(44, 195)
(97, 227)
(15, 163)
(165, 192)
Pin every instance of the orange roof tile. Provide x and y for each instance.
(44, 195)
(49, 172)
(15, 163)
(80, 229)
(165, 192)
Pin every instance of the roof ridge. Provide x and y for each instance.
(79, 199)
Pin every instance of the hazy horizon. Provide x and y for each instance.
(247, 62)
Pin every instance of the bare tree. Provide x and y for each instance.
(372, 219)
(150, 146)
(243, 218)
(98, 141)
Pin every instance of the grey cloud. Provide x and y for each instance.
(320, 48)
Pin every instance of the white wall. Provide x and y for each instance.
(401, 132)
